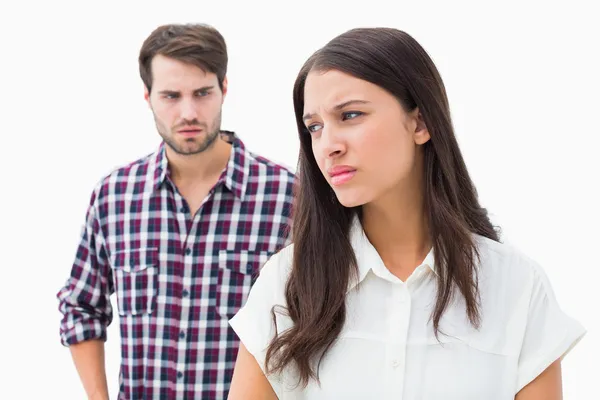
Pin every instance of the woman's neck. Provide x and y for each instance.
(397, 227)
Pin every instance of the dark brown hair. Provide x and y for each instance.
(323, 259)
(197, 44)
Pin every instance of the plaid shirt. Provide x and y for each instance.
(178, 278)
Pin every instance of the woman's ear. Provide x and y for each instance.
(421, 133)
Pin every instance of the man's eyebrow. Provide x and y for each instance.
(202, 89)
(205, 88)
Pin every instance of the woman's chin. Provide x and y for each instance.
(351, 199)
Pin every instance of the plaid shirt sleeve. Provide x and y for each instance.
(84, 301)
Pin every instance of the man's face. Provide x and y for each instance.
(186, 102)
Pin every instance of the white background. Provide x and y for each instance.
(523, 86)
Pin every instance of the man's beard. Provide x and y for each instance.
(193, 145)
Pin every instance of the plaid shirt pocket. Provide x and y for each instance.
(237, 272)
(135, 274)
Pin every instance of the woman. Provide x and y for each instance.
(396, 286)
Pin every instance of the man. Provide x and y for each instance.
(179, 235)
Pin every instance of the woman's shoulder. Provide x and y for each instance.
(274, 274)
(504, 257)
(505, 267)
(279, 265)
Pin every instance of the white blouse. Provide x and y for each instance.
(387, 348)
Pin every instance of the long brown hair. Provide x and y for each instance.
(323, 259)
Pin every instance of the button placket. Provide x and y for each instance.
(401, 308)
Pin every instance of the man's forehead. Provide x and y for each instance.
(170, 71)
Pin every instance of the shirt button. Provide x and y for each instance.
(179, 374)
(403, 298)
(395, 363)
(188, 251)
(185, 293)
(181, 335)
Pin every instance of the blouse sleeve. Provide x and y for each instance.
(253, 323)
(549, 334)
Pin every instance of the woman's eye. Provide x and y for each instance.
(350, 115)
(314, 128)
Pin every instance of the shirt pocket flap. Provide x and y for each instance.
(244, 262)
(134, 260)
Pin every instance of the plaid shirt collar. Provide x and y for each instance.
(234, 176)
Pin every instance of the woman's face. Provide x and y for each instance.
(364, 143)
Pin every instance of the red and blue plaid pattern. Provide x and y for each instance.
(177, 278)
